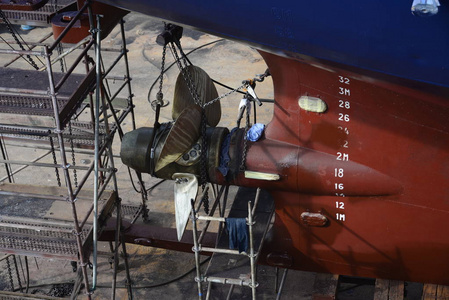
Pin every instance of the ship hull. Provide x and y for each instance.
(379, 36)
(384, 77)
(402, 133)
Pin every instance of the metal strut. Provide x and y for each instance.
(197, 249)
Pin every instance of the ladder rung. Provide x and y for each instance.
(220, 250)
(208, 218)
(232, 281)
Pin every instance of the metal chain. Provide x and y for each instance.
(52, 145)
(161, 82)
(203, 161)
(8, 25)
(17, 272)
(187, 77)
(11, 280)
(75, 175)
(245, 139)
(160, 95)
(61, 61)
(190, 85)
(225, 95)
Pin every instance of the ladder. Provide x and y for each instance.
(229, 266)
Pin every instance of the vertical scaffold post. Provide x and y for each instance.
(196, 249)
(97, 36)
(252, 257)
(65, 166)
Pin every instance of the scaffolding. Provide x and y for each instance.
(231, 266)
(64, 221)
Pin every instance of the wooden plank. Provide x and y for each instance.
(396, 291)
(325, 286)
(429, 292)
(442, 292)
(381, 289)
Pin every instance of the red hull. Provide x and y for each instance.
(398, 132)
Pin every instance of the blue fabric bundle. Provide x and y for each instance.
(238, 234)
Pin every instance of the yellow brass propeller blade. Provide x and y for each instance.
(183, 134)
(206, 91)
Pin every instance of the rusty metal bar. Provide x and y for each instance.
(90, 168)
(127, 81)
(22, 127)
(111, 108)
(115, 77)
(33, 45)
(49, 165)
(21, 52)
(101, 191)
(37, 228)
(119, 57)
(23, 91)
(67, 52)
(110, 49)
(74, 65)
(23, 167)
(32, 195)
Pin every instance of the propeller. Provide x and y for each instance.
(206, 91)
(187, 115)
(182, 136)
(142, 146)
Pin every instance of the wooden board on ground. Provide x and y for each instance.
(389, 290)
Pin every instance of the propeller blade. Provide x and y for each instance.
(186, 188)
(183, 134)
(206, 91)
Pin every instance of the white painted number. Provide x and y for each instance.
(339, 172)
(344, 104)
(341, 217)
(342, 156)
(343, 117)
(340, 205)
(339, 186)
(345, 129)
(344, 80)
(344, 91)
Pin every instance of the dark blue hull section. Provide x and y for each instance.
(380, 36)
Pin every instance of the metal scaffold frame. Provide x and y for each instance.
(198, 248)
(103, 136)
